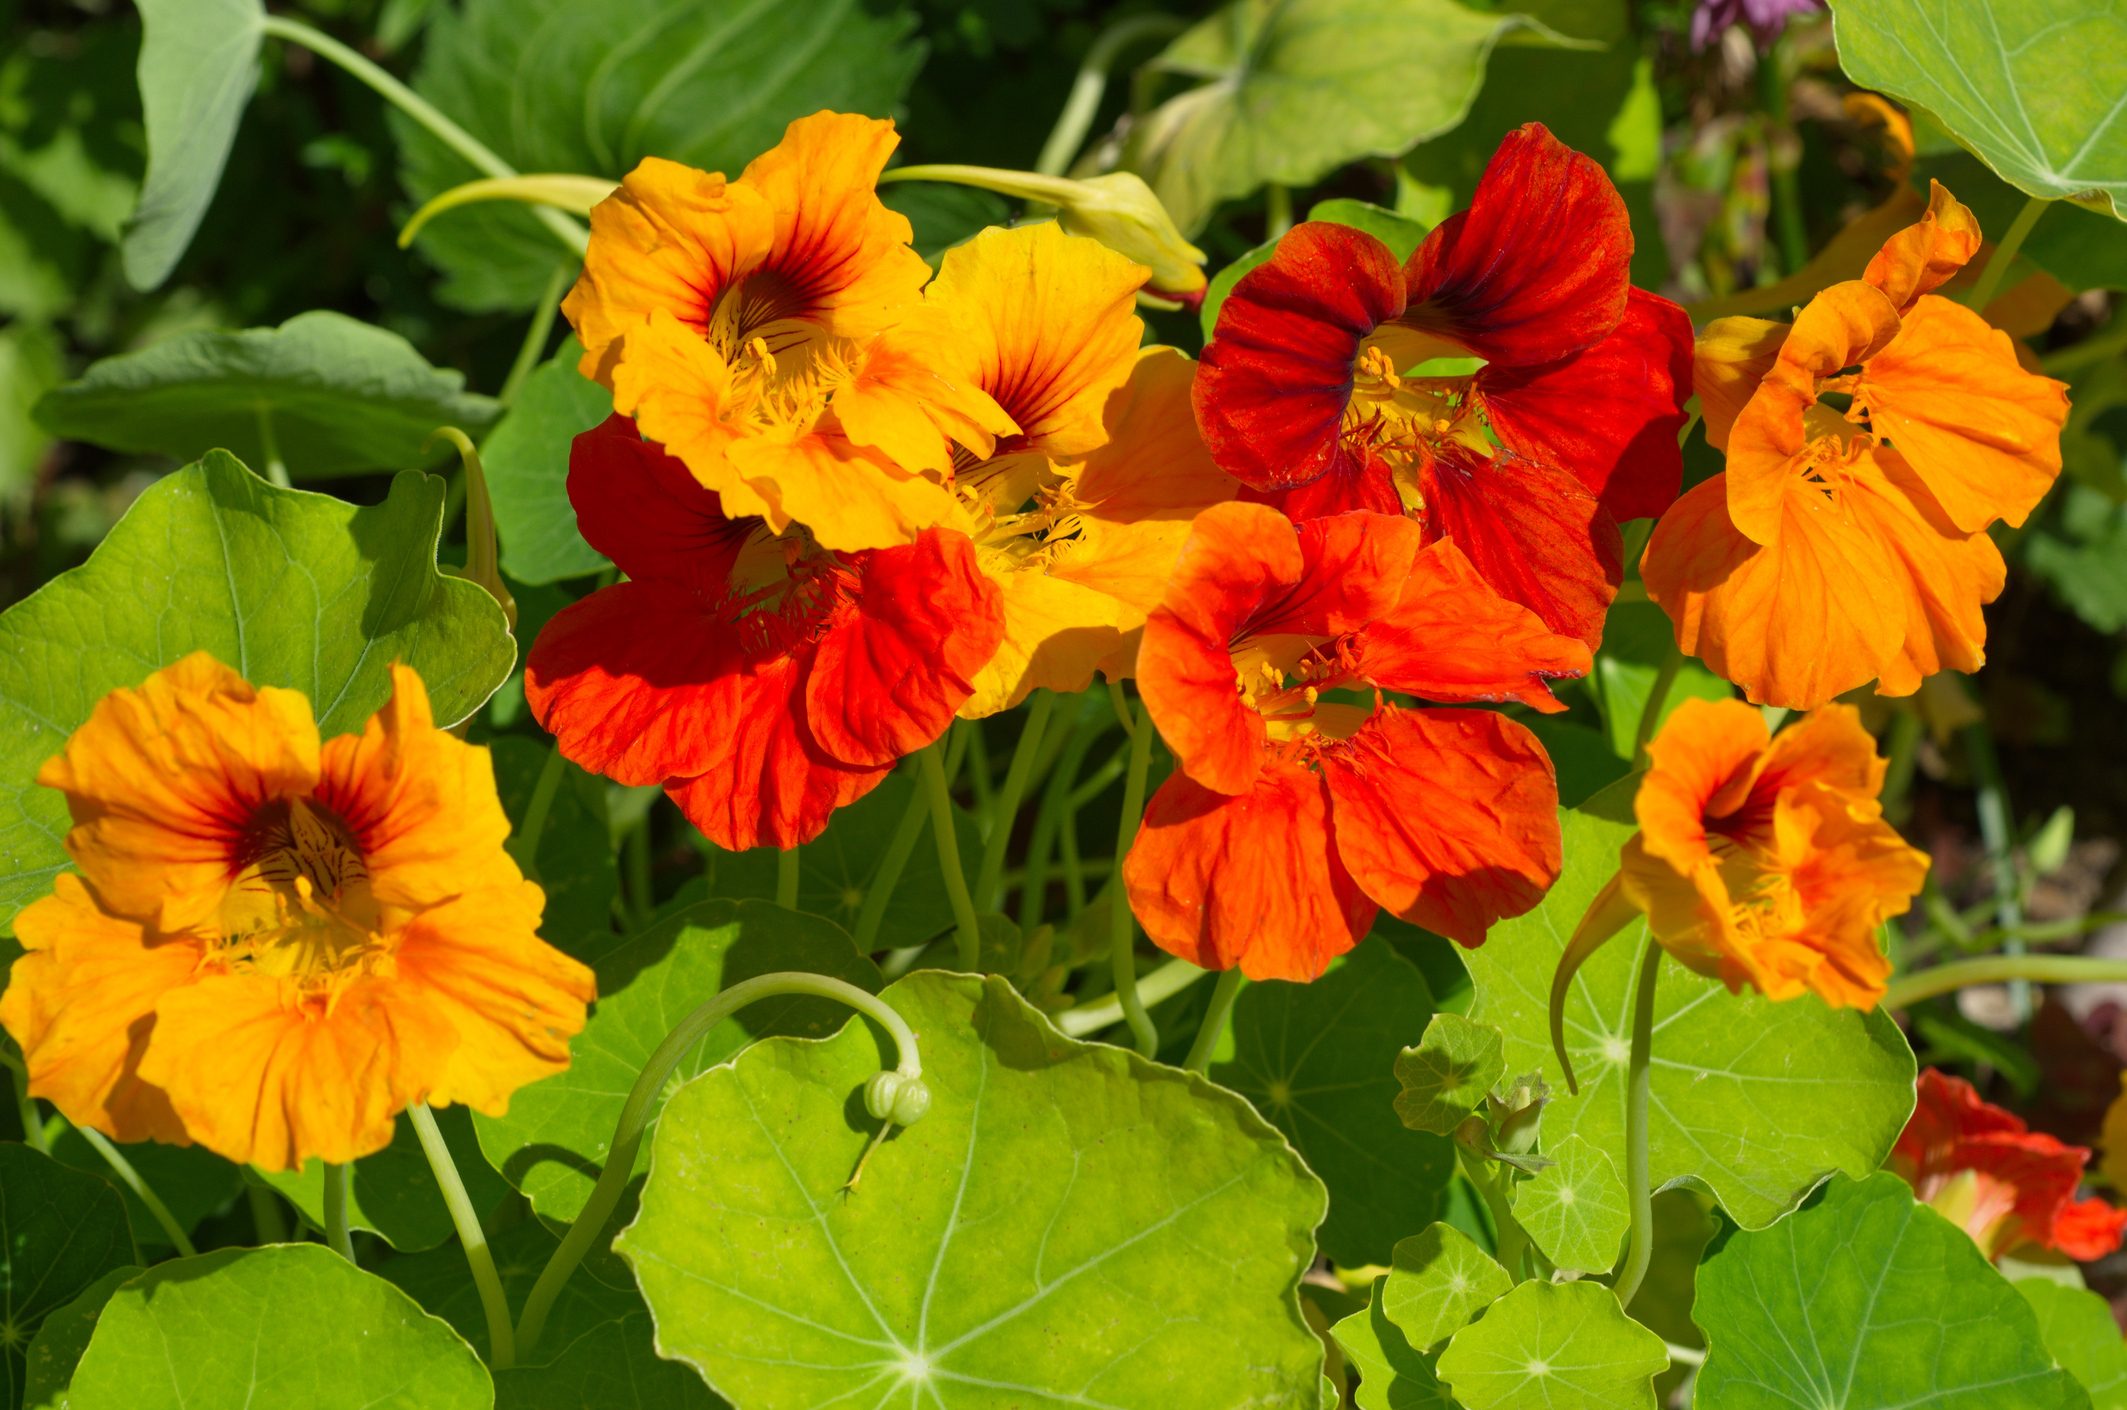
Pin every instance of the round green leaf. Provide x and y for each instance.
(1437, 1282)
(2079, 1330)
(1866, 1297)
(60, 1231)
(552, 1141)
(1754, 1101)
(290, 589)
(1564, 1346)
(1393, 1375)
(526, 458)
(2037, 90)
(331, 394)
(1316, 1059)
(1445, 1078)
(61, 1340)
(1575, 1207)
(394, 1193)
(555, 85)
(198, 65)
(293, 1326)
(1070, 1224)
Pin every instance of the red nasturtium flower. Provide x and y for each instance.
(1869, 447)
(2007, 1186)
(1527, 464)
(1303, 802)
(763, 680)
(274, 945)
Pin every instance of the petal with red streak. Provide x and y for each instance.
(643, 508)
(1451, 638)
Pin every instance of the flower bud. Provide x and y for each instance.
(897, 1098)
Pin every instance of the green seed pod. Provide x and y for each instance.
(911, 1101)
(880, 1092)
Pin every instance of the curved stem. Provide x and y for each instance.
(123, 1169)
(1049, 822)
(891, 865)
(2004, 253)
(1156, 987)
(501, 1339)
(1657, 697)
(339, 1187)
(537, 811)
(967, 933)
(786, 878)
(449, 133)
(534, 345)
(1900, 751)
(637, 1110)
(1091, 85)
(1122, 925)
(1277, 211)
(1998, 969)
(276, 468)
(1639, 1246)
(1215, 1014)
(267, 1221)
(1995, 831)
(1005, 809)
(1510, 1242)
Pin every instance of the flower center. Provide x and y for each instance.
(301, 908)
(784, 369)
(1285, 679)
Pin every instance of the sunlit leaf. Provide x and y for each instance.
(1565, 1346)
(1393, 1375)
(59, 1342)
(1445, 1077)
(1438, 1282)
(2078, 1328)
(1574, 1208)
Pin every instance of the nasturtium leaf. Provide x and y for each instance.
(2031, 86)
(1287, 91)
(575, 864)
(1867, 1297)
(1636, 640)
(1585, 759)
(191, 1181)
(1400, 233)
(1445, 1078)
(1754, 1101)
(32, 360)
(1438, 1280)
(526, 458)
(2075, 244)
(294, 1326)
(198, 65)
(60, 1230)
(1575, 1207)
(2078, 1328)
(330, 394)
(1221, 284)
(1069, 1224)
(57, 1349)
(394, 1193)
(559, 86)
(1317, 1061)
(1393, 1375)
(1564, 1346)
(554, 1138)
(289, 588)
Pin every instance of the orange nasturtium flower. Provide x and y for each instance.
(274, 944)
(738, 322)
(1869, 447)
(1765, 860)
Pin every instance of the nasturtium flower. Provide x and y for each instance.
(1765, 860)
(1869, 447)
(762, 679)
(738, 322)
(2006, 1185)
(274, 944)
(1303, 802)
(1324, 387)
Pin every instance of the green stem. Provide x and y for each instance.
(1900, 752)
(537, 811)
(1657, 697)
(266, 1218)
(1122, 925)
(1005, 810)
(26, 1107)
(449, 133)
(636, 1112)
(276, 468)
(1215, 1014)
(2004, 253)
(501, 1340)
(1510, 1240)
(339, 1187)
(1639, 1246)
(123, 1169)
(1786, 192)
(1156, 987)
(891, 865)
(1048, 823)
(1996, 832)
(1998, 969)
(1277, 211)
(1091, 85)
(967, 932)
(978, 766)
(786, 878)
(534, 345)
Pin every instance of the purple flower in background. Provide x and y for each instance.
(1766, 18)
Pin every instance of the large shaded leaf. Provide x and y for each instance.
(575, 864)
(1564, 1346)
(1069, 1225)
(290, 589)
(1318, 1060)
(1754, 1101)
(2032, 86)
(334, 394)
(60, 1231)
(1287, 91)
(293, 1326)
(527, 464)
(554, 85)
(198, 65)
(1866, 1297)
(554, 1138)
(393, 1194)
(191, 1181)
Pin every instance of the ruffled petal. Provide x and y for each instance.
(1447, 818)
(1926, 255)
(1701, 766)
(850, 498)
(1056, 634)
(912, 402)
(1360, 481)
(642, 508)
(1354, 569)
(1451, 638)
(1945, 576)
(1728, 362)
(1249, 880)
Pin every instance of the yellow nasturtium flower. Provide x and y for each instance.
(273, 944)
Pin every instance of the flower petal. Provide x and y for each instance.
(1927, 254)
(640, 507)
(1945, 576)
(1451, 638)
(1701, 765)
(1729, 360)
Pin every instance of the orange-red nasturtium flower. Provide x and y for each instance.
(1528, 464)
(763, 680)
(738, 322)
(1302, 801)
(274, 944)
(1765, 860)
(1869, 447)
(2009, 1187)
